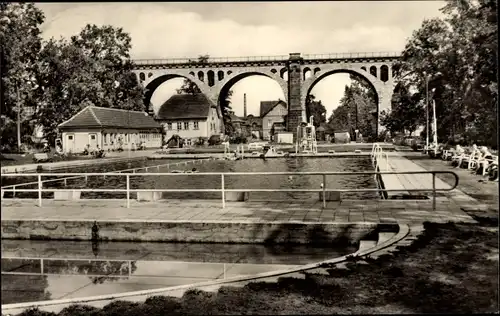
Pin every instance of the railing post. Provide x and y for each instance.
(128, 191)
(66, 182)
(433, 191)
(324, 190)
(222, 190)
(41, 266)
(14, 191)
(40, 184)
(85, 179)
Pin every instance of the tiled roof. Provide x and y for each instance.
(185, 106)
(267, 106)
(235, 118)
(93, 116)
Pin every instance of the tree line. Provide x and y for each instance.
(455, 59)
(51, 80)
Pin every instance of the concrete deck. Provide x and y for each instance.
(403, 182)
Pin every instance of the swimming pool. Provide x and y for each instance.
(78, 269)
(200, 181)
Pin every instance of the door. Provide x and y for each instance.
(93, 140)
(70, 143)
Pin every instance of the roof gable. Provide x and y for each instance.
(93, 116)
(185, 106)
(267, 106)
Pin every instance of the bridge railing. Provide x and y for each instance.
(210, 60)
(222, 186)
(194, 61)
(351, 55)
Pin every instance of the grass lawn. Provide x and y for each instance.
(451, 268)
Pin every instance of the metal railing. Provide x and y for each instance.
(133, 170)
(376, 156)
(223, 190)
(214, 60)
(351, 55)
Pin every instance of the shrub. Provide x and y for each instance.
(79, 310)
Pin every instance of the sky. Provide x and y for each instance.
(233, 29)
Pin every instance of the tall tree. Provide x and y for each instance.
(463, 47)
(92, 68)
(20, 43)
(406, 114)
(316, 109)
(355, 110)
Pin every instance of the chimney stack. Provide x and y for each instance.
(244, 105)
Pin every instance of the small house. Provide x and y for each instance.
(190, 116)
(108, 128)
(272, 112)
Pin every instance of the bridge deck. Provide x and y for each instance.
(405, 182)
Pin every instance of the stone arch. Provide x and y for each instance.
(384, 73)
(150, 74)
(364, 68)
(201, 76)
(220, 75)
(210, 78)
(306, 73)
(191, 73)
(142, 76)
(372, 81)
(284, 73)
(373, 71)
(155, 83)
(222, 88)
(316, 70)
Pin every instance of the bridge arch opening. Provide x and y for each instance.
(159, 90)
(373, 71)
(307, 73)
(251, 88)
(211, 78)
(351, 102)
(384, 73)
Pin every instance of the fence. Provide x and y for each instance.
(376, 155)
(85, 175)
(223, 190)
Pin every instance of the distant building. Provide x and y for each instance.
(272, 112)
(109, 128)
(190, 116)
(254, 125)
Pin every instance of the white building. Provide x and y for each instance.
(109, 128)
(190, 116)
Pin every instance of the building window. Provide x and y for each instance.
(186, 125)
(92, 137)
(105, 139)
(70, 137)
(169, 126)
(179, 125)
(196, 125)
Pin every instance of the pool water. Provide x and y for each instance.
(200, 181)
(74, 269)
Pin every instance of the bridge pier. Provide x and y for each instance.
(296, 110)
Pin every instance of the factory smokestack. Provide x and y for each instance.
(244, 105)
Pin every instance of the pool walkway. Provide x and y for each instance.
(347, 211)
(399, 163)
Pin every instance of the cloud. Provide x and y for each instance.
(169, 30)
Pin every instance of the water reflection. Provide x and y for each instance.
(41, 270)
